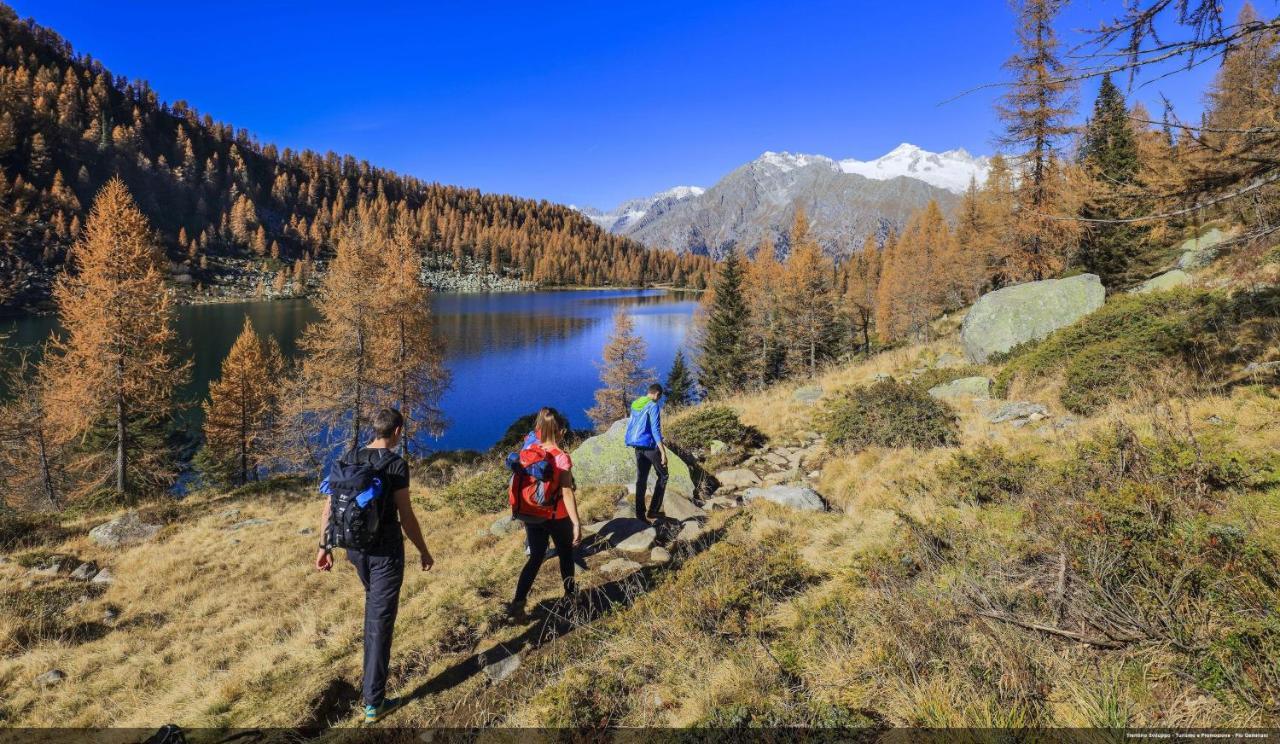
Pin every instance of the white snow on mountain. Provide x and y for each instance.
(950, 170)
(630, 212)
(758, 197)
(785, 161)
(680, 192)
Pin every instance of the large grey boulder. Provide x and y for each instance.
(1167, 280)
(1019, 413)
(731, 480)
(1002, 319)
(605, 460)
(794, 496)
(54, 565)
(502, 668)
(677, 506)
(689, 532)
(85, 571)
(965, 387)
(127, 529)
(1199, 252)
(639, 542)
(51, 678)
(619, 566)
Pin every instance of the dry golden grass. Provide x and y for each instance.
(213, 633)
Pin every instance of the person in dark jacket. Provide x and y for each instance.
(644, 434)
(381, 565)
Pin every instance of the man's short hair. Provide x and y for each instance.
(386, 421)
(655, 389)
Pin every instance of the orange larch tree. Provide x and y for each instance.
(113, 372)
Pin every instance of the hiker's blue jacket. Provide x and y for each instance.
(644, 428)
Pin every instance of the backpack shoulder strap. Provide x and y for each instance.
(384, 460)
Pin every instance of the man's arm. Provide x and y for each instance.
(655, 423)
(324, 558)
(412, 530)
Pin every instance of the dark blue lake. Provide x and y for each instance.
(510, 353)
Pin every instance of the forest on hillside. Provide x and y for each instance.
(1111, 190)
(223, 202)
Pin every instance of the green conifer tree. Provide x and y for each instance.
(723, 364)
(679, 382)
(1109, 155)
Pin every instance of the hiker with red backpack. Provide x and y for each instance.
(542, 498)
(366, 508)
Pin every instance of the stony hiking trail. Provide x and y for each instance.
(624, 560)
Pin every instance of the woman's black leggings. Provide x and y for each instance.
(558, 531)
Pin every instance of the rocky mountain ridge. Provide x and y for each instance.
(844, 199)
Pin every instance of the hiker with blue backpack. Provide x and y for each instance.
(542, 498)
(366, 508)
(644, 435)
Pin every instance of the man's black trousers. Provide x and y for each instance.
(646, 458)
(381, 576)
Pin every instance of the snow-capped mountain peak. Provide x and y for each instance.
(679, 192)
(786, 161)
(630, 212)
(950, 170)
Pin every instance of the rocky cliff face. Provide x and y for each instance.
(760, 199)
(845, 201)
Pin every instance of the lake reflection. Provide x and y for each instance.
(509, 353)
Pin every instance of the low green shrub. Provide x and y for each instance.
(987, 474)
(724, 591)
(21, 529)
(695, 430)
(940, 376)
(483, 492)
(583, 699)
(888, 414)
(1112, 353)
(787, 711)
(516, 432)
(39, 614)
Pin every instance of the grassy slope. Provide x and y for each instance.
(849, 617)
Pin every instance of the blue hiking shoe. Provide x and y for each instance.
(374, 713)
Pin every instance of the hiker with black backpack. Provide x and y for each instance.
(541, 494)
(366, 509)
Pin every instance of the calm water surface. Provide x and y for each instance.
(509, 352)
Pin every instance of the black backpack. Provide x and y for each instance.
(356, 492)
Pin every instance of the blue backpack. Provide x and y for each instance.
(537, 468)
(355, 491)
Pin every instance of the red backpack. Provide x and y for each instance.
(534, 490)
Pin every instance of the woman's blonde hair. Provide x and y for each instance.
(549, 426)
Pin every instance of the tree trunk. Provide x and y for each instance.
(404, 390)
(355, 408)
(244, 436)
(46, 475)
(121, 476)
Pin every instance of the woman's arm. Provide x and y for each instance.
(571, 506)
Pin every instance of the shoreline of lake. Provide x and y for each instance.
(499, 347)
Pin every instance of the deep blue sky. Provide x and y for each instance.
(586, 103)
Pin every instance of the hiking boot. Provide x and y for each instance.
(374, 713)
(514, 611)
